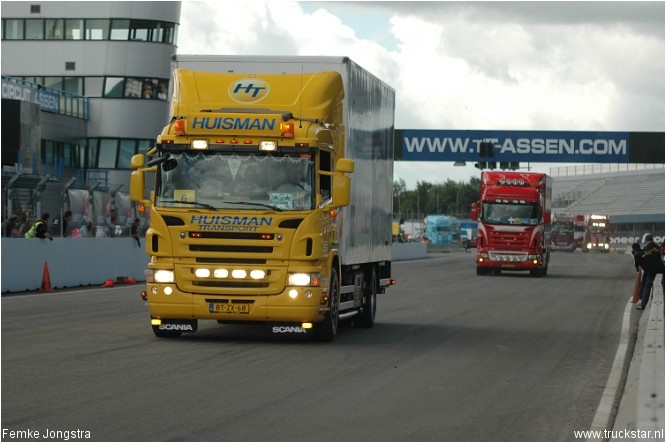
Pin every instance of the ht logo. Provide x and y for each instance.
(249, 89)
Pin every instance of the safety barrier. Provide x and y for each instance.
(75, 262)
(641, 409)
(72, 262)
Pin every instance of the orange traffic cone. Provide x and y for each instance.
(130, 281)
(46, 279)
(108, 284)
(637, 288)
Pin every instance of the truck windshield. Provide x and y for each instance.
(510, 214)
(236, 181)
(597, 229)
(560, 227)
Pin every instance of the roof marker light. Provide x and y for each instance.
(287, 129)
(179, 127)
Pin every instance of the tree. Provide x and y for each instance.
(449, 197)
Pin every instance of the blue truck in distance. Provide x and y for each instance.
(442, 230)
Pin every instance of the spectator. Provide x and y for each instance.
(134, 230)
(12, 228)
(652, 264)
(40, 228)
(113, 222)
(25, 221)
(25, 215)
(87, 229)
(66, 225)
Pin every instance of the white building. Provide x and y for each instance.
(84, 85)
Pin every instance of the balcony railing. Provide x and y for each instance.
(49, 99)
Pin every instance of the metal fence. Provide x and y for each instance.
(92, 203)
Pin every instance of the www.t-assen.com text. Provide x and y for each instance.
(45, 434)
(621, 434)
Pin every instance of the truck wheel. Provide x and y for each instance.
(536, 272)
(367, 317)
(326, 330)
(481, 271)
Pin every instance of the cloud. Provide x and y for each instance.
(467, 65)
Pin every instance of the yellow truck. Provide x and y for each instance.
(270, 195)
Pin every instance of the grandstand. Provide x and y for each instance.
(633, 199)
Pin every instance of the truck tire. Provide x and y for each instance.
(536, 272)
(481, 271)
(327, 329)
(366, 318)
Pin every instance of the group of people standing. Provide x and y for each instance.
(649, 260)
(21, 227)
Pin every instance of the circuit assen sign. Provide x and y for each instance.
(45, 97)
(530, 146)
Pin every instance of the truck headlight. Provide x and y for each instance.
(164, 276)
(299, 279)
(303, 279)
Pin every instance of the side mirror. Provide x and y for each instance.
(138, 180)
(137, 186)
(341, 192)
(345, 165)
(546, 217)
(137, 161)
(473, 214)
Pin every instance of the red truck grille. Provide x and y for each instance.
(498, 239)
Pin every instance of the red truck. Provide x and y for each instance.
(562, 233)
(513, 216)
(597, 233)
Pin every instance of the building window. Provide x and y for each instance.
(133, 87)
(89, 29)
(120, 29)
(114, 87)
(35, 9)
(127, 150)
(97, 29)
(70, 66)
(34, 29)
(108, 150)
(55, 29)
(145, 146)
(74, 29)
(92, 86)
(12, 29)
(73, 85)
(53, 82)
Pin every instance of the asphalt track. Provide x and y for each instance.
(453, 357)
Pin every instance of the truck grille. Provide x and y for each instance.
(229, 258)
(516, 239)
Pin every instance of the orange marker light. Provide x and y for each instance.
(179, 127)
(287, 129)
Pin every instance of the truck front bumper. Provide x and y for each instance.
(294, 304)
(517, 261)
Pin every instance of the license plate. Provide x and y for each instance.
(508, 265)
(229, 308)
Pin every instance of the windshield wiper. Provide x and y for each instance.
(264, 205)
(198, 204)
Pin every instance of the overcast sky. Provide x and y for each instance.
(561, 66)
